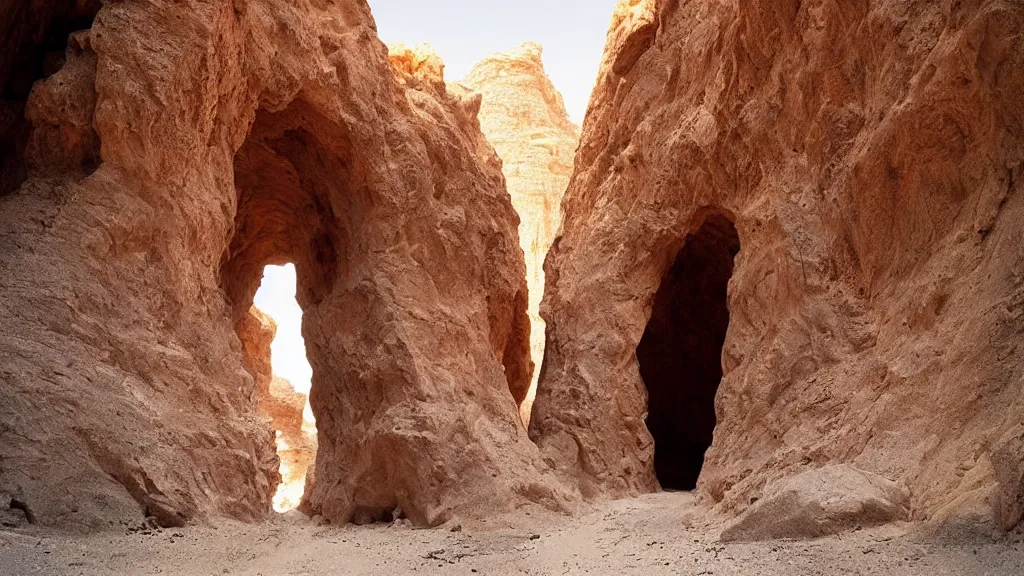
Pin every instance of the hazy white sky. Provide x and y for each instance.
(463, 32)
(276, 297)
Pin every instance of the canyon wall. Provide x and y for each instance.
(866, 160)
(523, 117)
(178, 148)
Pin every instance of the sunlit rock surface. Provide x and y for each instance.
(869, 156)
(176, 149)
(523, 117)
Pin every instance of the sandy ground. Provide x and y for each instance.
(649, 535)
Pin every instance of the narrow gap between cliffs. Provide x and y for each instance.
(287, 402)
(681, 350)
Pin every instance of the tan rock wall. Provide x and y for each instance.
(523, 117)
(870, 156)
(230, 136)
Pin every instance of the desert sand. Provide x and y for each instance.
(648, 535)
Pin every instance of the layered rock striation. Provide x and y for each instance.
(178, 149)
(868, 158)
(523, 117)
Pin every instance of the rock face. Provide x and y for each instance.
(182, 147)
(820, 502)
(256, 332)
(1008, 461)
(33, 37)
(866, 161)
(523, 117)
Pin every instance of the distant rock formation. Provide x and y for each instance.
(176, 149)
(821, 203)
(523, 117)
(296, 440)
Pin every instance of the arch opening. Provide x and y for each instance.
(681, 349)
(304, 194)
(281, 263)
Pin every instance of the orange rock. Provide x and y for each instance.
(296, 440)
(282, 405)
(869, 160)
(256, 332)
(229, 136)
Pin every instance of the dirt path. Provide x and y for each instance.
(649, 535)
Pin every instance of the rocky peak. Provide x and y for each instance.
(523, 117)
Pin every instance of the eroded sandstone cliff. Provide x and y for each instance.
(180, 148)
(853, 171)
(523, 117)
(791, 259)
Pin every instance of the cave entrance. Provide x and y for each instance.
(285, 398)
(680, 354)
(33, 39)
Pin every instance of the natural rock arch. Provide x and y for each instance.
(291, 175)
(255, 142)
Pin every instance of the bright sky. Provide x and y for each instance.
(276, 297)
(463, 32)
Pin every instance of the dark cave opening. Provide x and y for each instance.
(33, 39)
(681, 349)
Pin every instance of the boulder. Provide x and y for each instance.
(821, 502)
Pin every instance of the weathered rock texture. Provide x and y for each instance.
(820, 502)
(523, 117)
(181, 148)
(869, 156)
(33, 37)
(1008, 462)
(256, 331)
